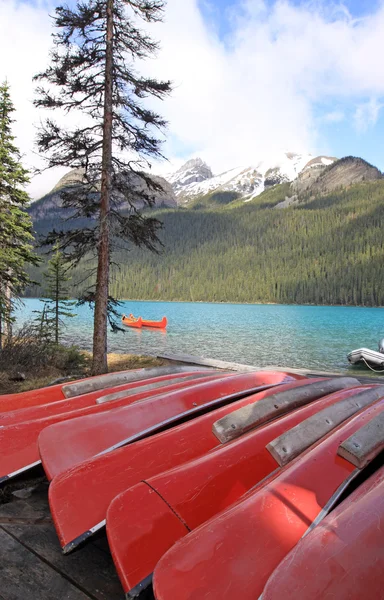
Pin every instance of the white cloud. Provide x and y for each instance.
(335, 116)
(366, 114)
(233, 103)
(24, 46)
(237, 102)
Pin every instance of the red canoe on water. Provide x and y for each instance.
(79, 498)
(341, 558)
(88, 436)
(62, 391)
(193, 493)
(18, 442)
(139, 322)
(234, 554)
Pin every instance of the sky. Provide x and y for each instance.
(251, 78)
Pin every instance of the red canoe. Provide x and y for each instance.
(112, 395)
(158, 324)
(18, 443)
(193, 493)
(62, 391)
(234, 554)
(90, 435)
(345, 552)
(139, 322)
(79, 497)
(132, 321)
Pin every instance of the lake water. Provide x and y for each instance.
(314, 337)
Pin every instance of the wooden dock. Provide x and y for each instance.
(190, 359)
(32, 565)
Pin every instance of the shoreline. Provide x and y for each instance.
(229, 303)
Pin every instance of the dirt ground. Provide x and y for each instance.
(49, 374)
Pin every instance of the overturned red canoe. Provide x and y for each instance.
(18, 442)
(341, 558)
(193, 493)
(244, 544)
(79, 497)
(93, 434)
(83, 386)
(112, 395)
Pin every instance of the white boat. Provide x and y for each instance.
(366, 355)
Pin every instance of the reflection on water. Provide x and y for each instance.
(317, 337)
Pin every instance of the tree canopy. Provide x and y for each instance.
(93, 72)
(16, 235)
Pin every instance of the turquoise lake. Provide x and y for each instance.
(314, 337)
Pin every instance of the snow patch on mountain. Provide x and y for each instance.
(195, 177)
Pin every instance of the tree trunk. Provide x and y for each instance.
(99, 363)
(57, 307)
(7, 322)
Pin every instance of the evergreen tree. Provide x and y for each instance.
(59, 304)
(91, 73)
(16, 235)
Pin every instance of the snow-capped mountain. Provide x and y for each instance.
(195, 177)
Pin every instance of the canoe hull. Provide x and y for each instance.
(19, 441)
(79, 498)
(157, 324)
(136, 323)
(140, 322)
(349, 546)
(92, 434)
(198, 490)
(243, 545)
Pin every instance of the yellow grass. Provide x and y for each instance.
(116, 362)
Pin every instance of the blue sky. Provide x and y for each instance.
(252, 77)
(339, 138)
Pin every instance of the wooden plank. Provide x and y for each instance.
(27, 521)
(233, 366)
(294, 441)
(23, 575)
(211, 362)
(238, 422)
(101, 382)
(91, 569)
(365, 444)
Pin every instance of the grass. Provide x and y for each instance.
(42, 368)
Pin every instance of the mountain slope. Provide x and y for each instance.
(325, 249)
(49, 207)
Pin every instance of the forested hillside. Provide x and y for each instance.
(324, 250)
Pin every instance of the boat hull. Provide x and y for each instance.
(348, 545)
(137, 323)
(243, 545)
(157, 324)
(145, 388)
(140, 322)
(366, 355)
(79, 498)
(201, 488)
(19, 442)
(63, 391)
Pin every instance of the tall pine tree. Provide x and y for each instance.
(16, 237)
(93, 72)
